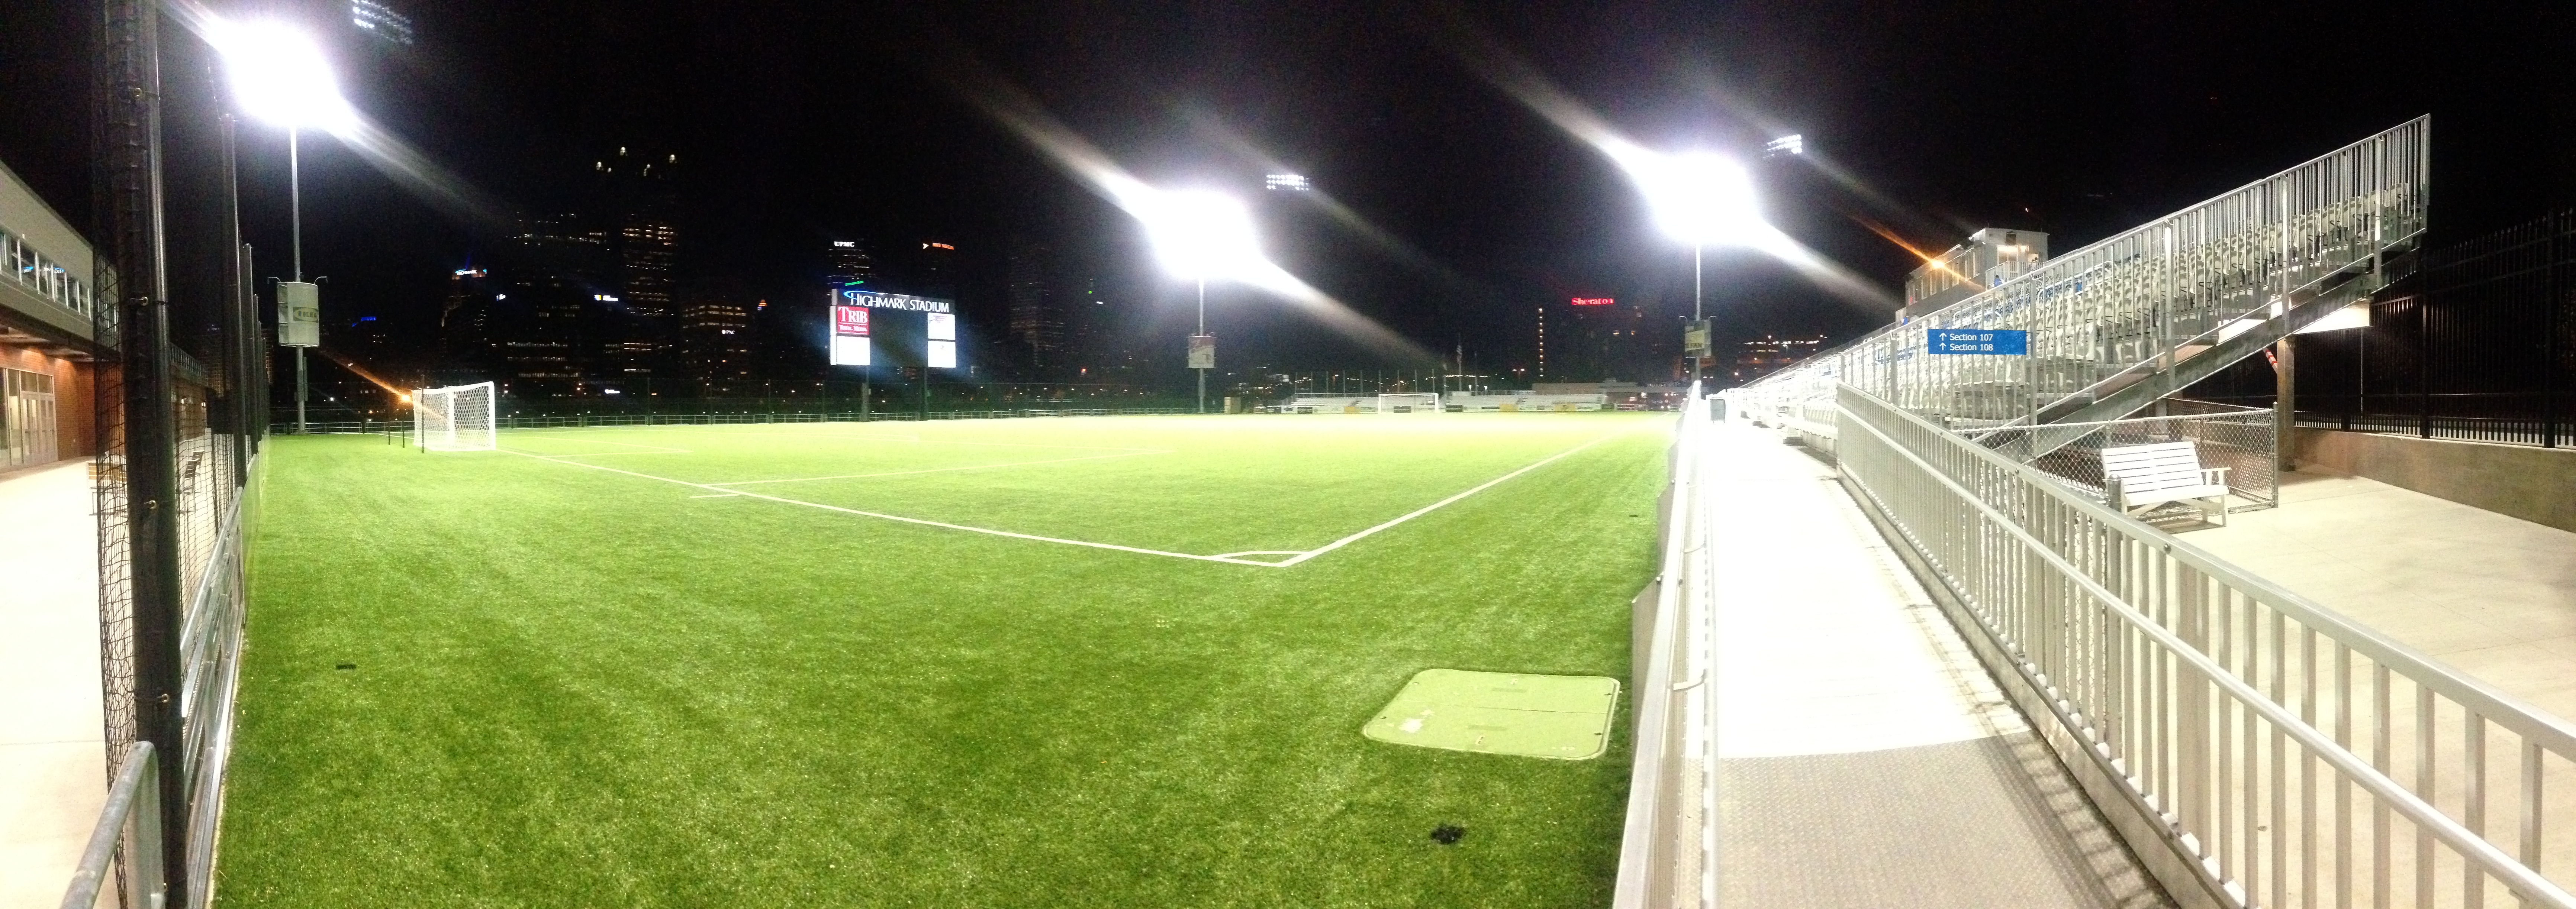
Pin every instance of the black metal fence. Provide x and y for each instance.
(2478, 344)
(179, 385)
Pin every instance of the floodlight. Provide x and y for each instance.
(1791, 144)
(279, 75)
(1700, 198)
(1201, 234)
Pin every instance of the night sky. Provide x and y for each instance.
(795, 122)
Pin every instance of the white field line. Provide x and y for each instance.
(1435, 506)
(656, 449)
(839, 437)
(790, 435)
(1295, 557)
(894, 517)
(906, 473)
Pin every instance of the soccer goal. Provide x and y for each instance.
(455, 418)
(1424, 402)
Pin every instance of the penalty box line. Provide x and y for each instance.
(855, 437)
(906, 473)
(1436, 506)
(1229, 558)
(896, 517)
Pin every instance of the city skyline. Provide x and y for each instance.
(1448, 243)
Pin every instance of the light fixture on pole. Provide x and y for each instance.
(1198, 235)
(1704, 200)
(279, 75)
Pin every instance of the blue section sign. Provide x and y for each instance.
(2000, 341)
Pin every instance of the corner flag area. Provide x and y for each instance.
(1109, 661)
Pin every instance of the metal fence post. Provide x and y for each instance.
(2191, 710)
(133, 179)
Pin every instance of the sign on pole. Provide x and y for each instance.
(1994, 341)
(1202, 351)
(849, 336)
(299, 314)
(1695, 339)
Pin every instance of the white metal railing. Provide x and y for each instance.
(2108, 314)
(130, 825)
(1667, 848)
(2288, 755)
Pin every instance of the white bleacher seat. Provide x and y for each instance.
(2145, 476)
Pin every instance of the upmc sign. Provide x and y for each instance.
(1592, 301)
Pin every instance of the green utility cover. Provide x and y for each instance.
(1551, 716)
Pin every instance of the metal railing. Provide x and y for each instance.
(2110, 315)
(1666, 850)
(2232, 716)
(130, 826)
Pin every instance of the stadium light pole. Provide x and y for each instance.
(1200, 234)
(279, 75)
(1702, 199)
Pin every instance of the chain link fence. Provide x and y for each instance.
(2241, 439)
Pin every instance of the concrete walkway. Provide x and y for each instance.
(2490, 595)
(1865, 757)
(53, 762)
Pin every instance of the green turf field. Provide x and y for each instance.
(1114, 661)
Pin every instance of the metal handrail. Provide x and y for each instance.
(2231, 411)
(2094, 702)
(1647, 840)
(130, 824)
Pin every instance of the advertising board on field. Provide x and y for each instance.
(849, 336)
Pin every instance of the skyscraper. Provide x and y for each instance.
(541, 326)
(1037, 327)
(643, 200)
(935, 269)
(847, 262)
(715, 337)
(465, 323)
(380, 21)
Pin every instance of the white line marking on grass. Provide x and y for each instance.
(894, 517)
(840, 437)
(1435, 506)
(906, 473)
(656, 449)
(1240, 556)
(1233, 558)
(720, 495)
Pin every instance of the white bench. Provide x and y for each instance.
(2140, 477)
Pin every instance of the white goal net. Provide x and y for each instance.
(456, 418)
(1424, 402)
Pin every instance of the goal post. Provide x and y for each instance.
(1423, 402)
(455, 418)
